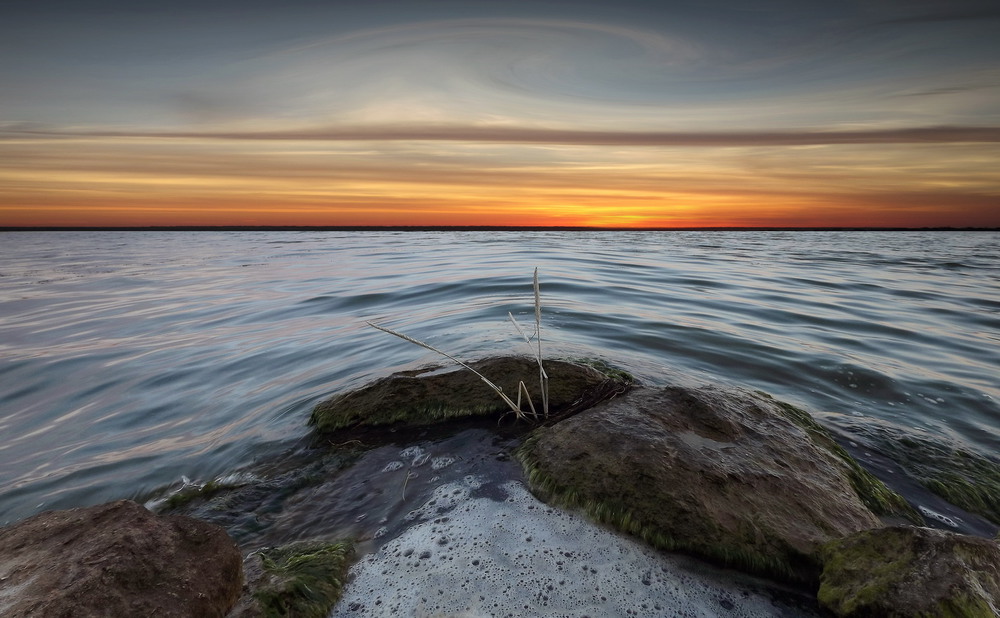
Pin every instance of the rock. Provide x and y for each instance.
(302, 579)
(908, 572)
(431, 396)
(735, 477)
(116, 559)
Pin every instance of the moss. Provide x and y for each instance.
(968, 480)
(631, 522)
(965, 606)
(980, 496)
(872, 492)
(903, 571)
(304, 580)
(859, 574)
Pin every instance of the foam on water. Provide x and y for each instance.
(469, 556)
(940, 517)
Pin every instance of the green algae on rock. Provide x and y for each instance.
(432, 396)
(966, 479)
(724, 475)
(304, 580)
(908, 572)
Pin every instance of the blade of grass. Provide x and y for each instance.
(522, 388)
(543, 378)
(499, 391)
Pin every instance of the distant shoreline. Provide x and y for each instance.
(472, 228)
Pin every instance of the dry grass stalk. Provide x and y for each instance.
(543, 378)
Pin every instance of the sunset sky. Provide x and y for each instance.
(388, 112)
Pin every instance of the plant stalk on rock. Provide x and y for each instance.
(543, 378)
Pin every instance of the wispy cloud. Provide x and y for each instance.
(519, 135)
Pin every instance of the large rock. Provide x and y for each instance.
(431, 396)
(117, 559)
(735, 477)
(907, 572)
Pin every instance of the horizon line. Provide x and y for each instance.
(482, 228)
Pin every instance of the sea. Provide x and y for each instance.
(132, 360)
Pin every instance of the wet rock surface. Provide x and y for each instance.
(117, 559)
(906, 572)
(732, 476)
(437, 395)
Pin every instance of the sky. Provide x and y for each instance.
(630, 113)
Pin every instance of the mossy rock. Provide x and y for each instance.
(301, 580)
(908, 572)
(968, 480)
(434, 396)
(734, 477)
(873, 492)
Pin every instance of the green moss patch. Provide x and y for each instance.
(967, 479)
(303, 580)
(961, 477)
(907, 571)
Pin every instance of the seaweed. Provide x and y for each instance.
(956, 473)
(304, 580)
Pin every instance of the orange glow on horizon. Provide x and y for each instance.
(133, 182)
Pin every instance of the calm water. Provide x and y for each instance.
(129, 360)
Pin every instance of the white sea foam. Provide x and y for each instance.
(392, 466)
(442, 462)
(944, 519)
(467, 556)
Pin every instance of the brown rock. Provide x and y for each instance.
(908, 572)
(735, 477)
(117, 559)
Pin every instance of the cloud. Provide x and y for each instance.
(527, 136)
(951, 15)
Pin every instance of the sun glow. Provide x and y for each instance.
(108, 181)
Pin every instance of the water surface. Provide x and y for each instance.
(129, 360)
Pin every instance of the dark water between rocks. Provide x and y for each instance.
(131, 360)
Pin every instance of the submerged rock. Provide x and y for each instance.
(735, 477)
(907, 572)
(432, 396)
(117, 559)
(967, 479)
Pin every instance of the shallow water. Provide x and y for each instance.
(129, 360)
